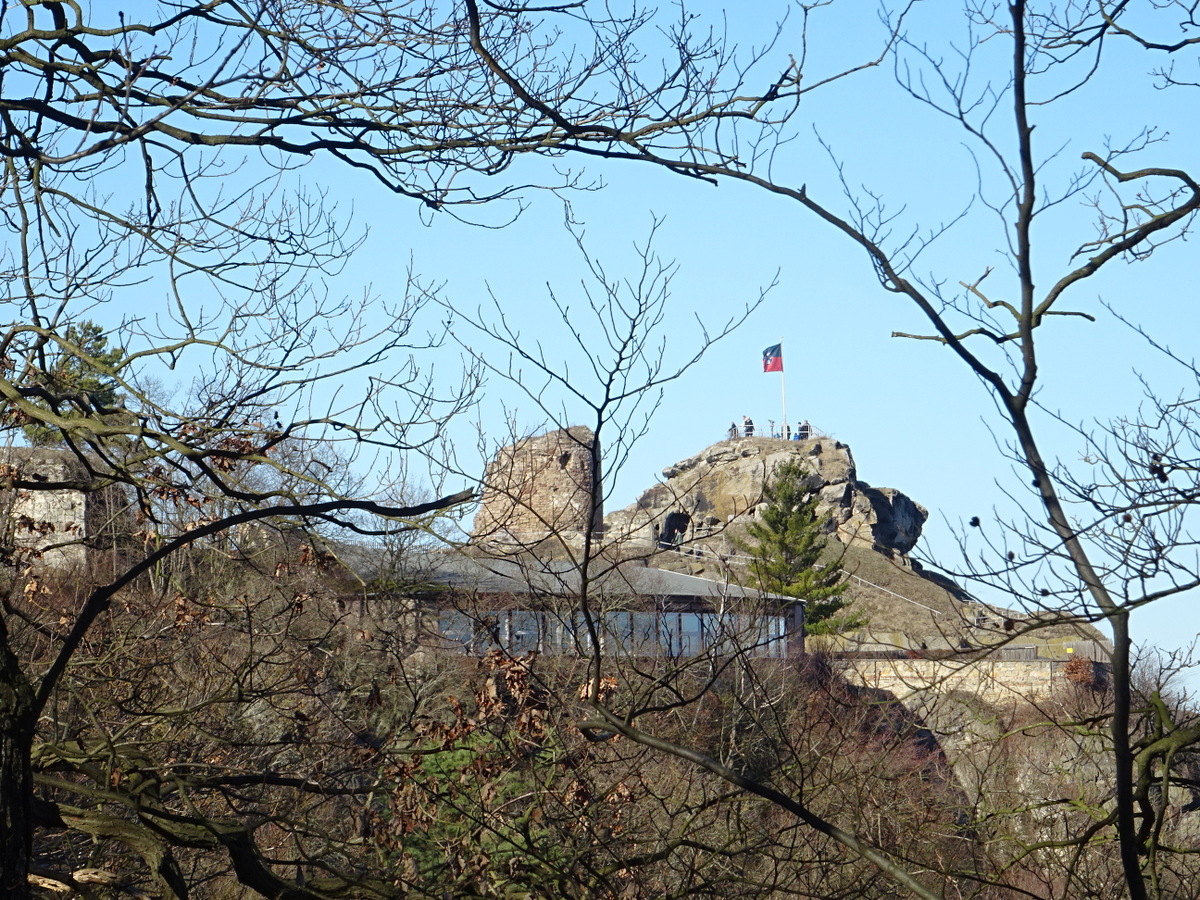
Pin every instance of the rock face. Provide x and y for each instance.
(539, 487)
(723, 485)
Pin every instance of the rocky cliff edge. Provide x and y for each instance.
(721, 486)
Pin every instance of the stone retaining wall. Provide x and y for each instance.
(993, 681)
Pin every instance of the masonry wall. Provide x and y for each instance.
(995, 682)
(540, 487)
(49, 526)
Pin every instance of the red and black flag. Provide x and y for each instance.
(773, 358)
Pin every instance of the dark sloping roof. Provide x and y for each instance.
(526, 575)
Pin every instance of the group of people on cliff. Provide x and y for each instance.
(801, 432)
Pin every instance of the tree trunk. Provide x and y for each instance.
(16, 775)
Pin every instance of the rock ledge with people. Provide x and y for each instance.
(722, 486)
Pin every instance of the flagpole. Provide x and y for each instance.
(782, 392)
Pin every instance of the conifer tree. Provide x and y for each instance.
(785, 545)
(77, 381)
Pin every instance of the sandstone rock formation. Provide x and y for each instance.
(541, 487)
(722, 486)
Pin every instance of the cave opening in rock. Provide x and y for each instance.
(674, 528)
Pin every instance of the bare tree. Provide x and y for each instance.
(1102, 547)
(433, 103)
(207, 108)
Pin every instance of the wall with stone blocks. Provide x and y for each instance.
(996, 682)
(538, 488)
(49, 526)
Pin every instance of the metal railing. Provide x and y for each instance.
(879, 587)
(770, 431)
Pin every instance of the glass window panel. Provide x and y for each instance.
(525, 632)
(778, 626)
(576, 637)
(668, 634)
(762, 636)
(712, 633)
(720, 632)
(644, 640)
(691, 634)
(557, 633)
(456, 627)
(473, 634)
(617, 628)
(753, 634)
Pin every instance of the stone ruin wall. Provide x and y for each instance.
(540, 487)
(49, 527)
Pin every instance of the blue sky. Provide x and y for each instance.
(914, 416)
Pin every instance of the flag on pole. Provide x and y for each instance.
(773, 358)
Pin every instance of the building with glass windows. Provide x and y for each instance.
(473, 604)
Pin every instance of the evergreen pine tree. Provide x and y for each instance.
(78, 377)
(785, 545)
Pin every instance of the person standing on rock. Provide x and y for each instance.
(804, 431)
(733, 430)
(748, 426)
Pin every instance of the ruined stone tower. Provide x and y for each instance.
(541, 487)
(55, 527)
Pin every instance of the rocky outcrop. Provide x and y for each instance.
(894, 519)
(540, 487)
(722, 486)
(688, 523)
